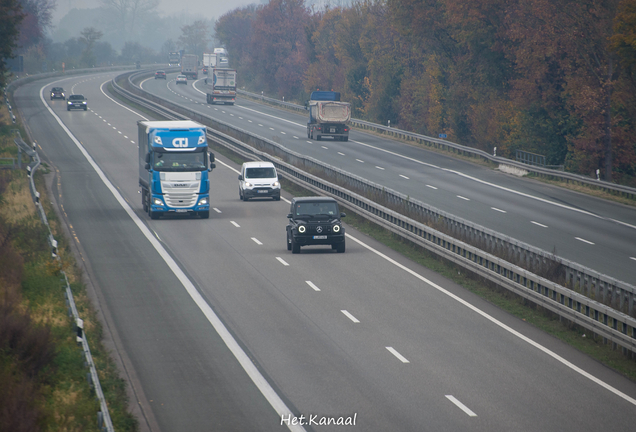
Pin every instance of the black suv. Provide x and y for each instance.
(315, 221)
(76, 102)
(57, 93)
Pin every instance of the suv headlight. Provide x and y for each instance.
(336, 228)
(302, 229)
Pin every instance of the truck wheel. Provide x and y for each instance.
(205, 214)
(318, 137)
(154, 215)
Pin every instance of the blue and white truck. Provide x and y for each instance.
(174, 167)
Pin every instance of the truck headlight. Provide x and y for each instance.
(203, 201)
(69, 102)
(302, 229)
(157, 201)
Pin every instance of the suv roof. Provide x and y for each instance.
(313, 199)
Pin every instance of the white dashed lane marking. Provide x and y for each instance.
(311, 284)
(282, 261)
(460, 405)
(256, 241)
(351, 317)
(583, 240)
(464, 198)
(539, 224)
(404, 177)
(397, 354)
(235, 224)
(216, 210)
(499, 210)
(432, 187)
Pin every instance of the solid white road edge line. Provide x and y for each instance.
(460, 405)
(500, 324)
(257, 378)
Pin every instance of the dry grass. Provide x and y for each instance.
(17, 202)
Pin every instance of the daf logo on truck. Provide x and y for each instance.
(180, 142)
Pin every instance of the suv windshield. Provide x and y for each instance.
(76, 97)
(313, 209)
(179, 161)
(260, 173)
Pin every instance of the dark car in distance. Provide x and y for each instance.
(76, 102)
(160, 74)
(315, 221)
(57, 93)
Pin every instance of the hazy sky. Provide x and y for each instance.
(204, 8)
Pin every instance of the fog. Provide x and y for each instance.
(203, 8)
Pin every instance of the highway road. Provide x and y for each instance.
(593, 232)
(367, 336)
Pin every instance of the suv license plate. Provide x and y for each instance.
(322, 237)
(262, 191)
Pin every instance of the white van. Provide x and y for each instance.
(258, 180)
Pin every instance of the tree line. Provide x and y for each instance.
(552, 77)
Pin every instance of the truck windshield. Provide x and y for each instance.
(179, 161)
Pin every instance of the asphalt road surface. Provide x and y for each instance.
(367, 336)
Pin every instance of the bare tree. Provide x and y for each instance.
(129, 12)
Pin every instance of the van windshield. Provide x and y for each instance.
(260, 173)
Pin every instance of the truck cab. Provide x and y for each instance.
(174, 166)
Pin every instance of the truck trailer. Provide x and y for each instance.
(220, 86)
(174, 58)
(174, 167)
(328, 116)
(190, 66)
(209, 62)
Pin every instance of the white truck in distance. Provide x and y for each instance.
(220, 86)
(209, 62)
(190, 66)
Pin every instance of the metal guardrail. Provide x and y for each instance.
(603, 320)
(104, 421)
(459, 149)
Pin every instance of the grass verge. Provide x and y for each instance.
(43, 379)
